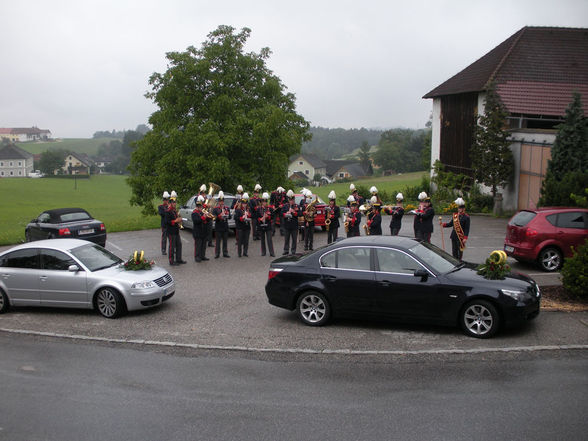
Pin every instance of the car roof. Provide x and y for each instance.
(556, 209)
(55, 244)
(60, 211)
(396, 241)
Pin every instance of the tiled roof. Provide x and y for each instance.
(11, 151)
(334, 165)
(313, 160)
(533, 58)
(26, 131)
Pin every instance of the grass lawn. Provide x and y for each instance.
(77, 145)
(105, 197)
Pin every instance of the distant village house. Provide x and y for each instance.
(15, 162)
(24, 134)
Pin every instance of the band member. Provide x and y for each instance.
(221, 215)
(309, 215)
(253, 203)
(374, 218)
(242, 225)
(374, 192)
(396, 212)
(172, 221)
(277, 202)
(355, 195)
(424, 219)
(332, 215)
(301, 221)
(199, 221)
(353, 219)
(206, 206)
(418, 210)
(161, 209)
(238, 196)
(460, 222)
(264, 224)
(290, 214)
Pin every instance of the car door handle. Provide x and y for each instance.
(386, 283)
(43, 278)
(5, 276)
(329, 277)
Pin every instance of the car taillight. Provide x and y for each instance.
(273, 272)
(530, 232)
(64, 232)
(102, 227)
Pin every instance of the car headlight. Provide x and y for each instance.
(143, 285)
(516, 294)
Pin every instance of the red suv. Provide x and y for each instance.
(545, 236)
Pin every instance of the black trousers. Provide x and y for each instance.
(175, 248)
(163, 240)
(332, 234)
(224, 236)
(209, 233)
(265, 234)
(243, 241)
(455, 251)
(308, 235)
(290, 234)
(394, 231)
(425, 237)
(199, 248)
(255, 229)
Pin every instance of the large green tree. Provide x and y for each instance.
(492, 159)
(51, 160)
(223, 117)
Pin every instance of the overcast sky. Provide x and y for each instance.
(79, 66)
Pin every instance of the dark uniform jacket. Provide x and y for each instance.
(336, 212)
(375, 223)
(170, 221)
(266, 223)
(291, 216)
(464, 221)
(354, 222)
(221, 218)
(425, 219)
(396, 217)
(161, 209)
(199, 220)
(240, 222)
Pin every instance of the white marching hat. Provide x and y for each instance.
(203, 187)
(245, 196)
(352, 200)
(280, 189)
(257, 187)
(460, 202)
(200, 199)
(373, 190)
(290, 193)
(308, 193)
(422, 196)
(374, 199)
(165, 195)
(174, 195)
(221, 196)
(332, 195)
(265, 196)
(352, 187)
(399, 197)
(240, 188)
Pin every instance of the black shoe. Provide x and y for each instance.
(263, 254)
(273, 255)
(309, 248)
(197, 260)
(211, 245)
(216, 257)
(238, 255)
(173, 264)
(245, 255)
(205, 258)
(226, 255)
(285, 253)
(305, 248)
(181, 262)
(163, 253)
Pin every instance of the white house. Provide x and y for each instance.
(15, 162)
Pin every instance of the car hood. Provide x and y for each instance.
(468, 275)
(118, 273)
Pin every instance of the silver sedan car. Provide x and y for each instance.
(73, 273)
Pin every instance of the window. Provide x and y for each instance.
(300, 163)
(348, 258)
(11, 173)
(11, 164)
(20, 163)
(1, 164)
(552, 219)
(1, 173)
(55, 260)
(44, 218)
(574, 219)
(19, 173)
(341, 175)
(394, 261)
(307, 172)
(78, 215)
(27, 258)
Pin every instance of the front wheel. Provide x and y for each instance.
(550, 259)
(3, 302)
(109, 303)
(313, 309)
(480, 319)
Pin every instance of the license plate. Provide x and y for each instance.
(509, 249)
(85, 232)
(319, 212)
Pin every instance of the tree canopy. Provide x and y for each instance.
(400, 150)
(222, 117)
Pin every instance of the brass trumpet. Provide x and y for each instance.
(366, 229)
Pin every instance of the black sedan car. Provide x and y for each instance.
(400, 279)
(69, 223)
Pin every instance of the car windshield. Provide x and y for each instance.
(94, 257)
(437, 259)
(78, 215)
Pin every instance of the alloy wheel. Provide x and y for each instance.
(478, 320)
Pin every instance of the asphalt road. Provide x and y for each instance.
(222, 304)
(61, 390)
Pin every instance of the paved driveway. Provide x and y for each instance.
(222, 302)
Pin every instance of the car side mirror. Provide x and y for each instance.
(35, 221)
(73, 268)
(423, 274)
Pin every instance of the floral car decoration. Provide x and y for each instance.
(138, 262)
(495, 266)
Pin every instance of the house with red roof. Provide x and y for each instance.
(24, 134)
(536, 71)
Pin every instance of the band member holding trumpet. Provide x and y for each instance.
(309, 215)
(264, 225)
(460, 222)
(206, 206)
(172, 224)
(253, 203)
(353, 219)
(355, 195)
(200, 220)
(290, 214)
(333, 212)
(396, 212)
(161, 209)
(221, 215)
(242, 225)
(423, 219)
(374, 217)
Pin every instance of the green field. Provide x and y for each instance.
(88, 146)
(105, 197)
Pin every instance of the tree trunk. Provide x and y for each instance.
(497, 211)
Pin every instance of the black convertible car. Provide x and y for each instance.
(401, 279)
(70, 223)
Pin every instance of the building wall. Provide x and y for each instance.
(16, 168)
(74, 162)
(302, 165)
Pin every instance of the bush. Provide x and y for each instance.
(558, 192)
(575, 272)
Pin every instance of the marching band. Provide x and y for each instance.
(259, 217)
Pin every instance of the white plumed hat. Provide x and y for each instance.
(165, 195)
(399, 197)
(200, 199)
(203, 187)
(351, 187)
(265, 196)
(173, 195)
(373, 189)
(257, 187)
(240, 188)
(374, 200)
(245, 196)
(352, 200)
(290, 193)
(332, 195)
(221, 196)
(460, 202)
(280, 189)
(422, 196)
(308, 193)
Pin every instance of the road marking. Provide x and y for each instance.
(115, 246)
(299, 350)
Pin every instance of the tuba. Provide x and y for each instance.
(310, 211)
(212, 190)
